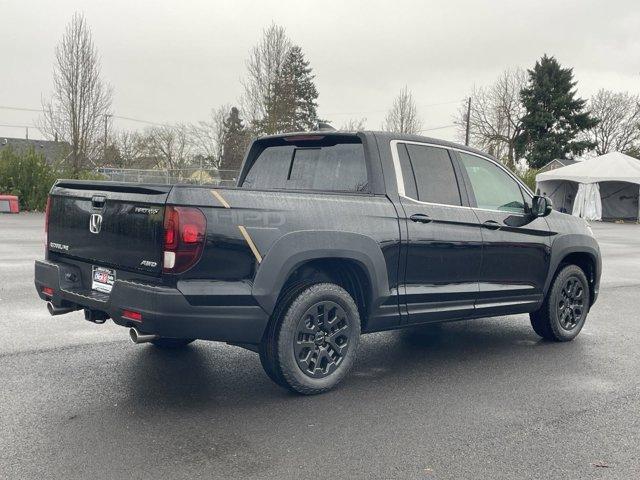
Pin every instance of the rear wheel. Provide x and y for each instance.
(565, 309)
(164, 342)
(312, 343)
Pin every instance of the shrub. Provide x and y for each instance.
(27, 175)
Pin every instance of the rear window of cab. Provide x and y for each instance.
(324, 163)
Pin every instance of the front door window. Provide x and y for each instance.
(492, 187)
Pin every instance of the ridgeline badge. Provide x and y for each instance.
(146, 210)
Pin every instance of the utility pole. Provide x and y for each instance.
(106, 127)
(27, 129)
(468, 129)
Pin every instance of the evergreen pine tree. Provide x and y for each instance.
(235, 141)
(554, 117)
(293, 105)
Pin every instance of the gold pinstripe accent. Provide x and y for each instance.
(252, 245)
(243, 230)
(220, 198)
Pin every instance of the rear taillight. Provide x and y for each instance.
(48, 291)
(131, 315)
(47, 211)
(184, 235)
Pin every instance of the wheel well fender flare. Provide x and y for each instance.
(296, 248)
(572, 244)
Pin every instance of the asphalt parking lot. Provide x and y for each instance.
(478, 399)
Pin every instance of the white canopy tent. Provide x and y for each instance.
(607, 187)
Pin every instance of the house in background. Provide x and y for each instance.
(51, 150)
(556, 163)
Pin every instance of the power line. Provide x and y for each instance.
(21, 109)
(437, 128)
(26, 127)
(157, 124)
(18, 126)
(384, 110)
(40, 110)
(143, 121)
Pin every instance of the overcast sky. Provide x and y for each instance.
(172, 61)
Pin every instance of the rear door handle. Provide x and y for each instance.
(492, 225)
(420, 218)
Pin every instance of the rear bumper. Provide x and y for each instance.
(207, 311)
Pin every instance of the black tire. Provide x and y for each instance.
(312, 341)
(267, 348)
(565, 308)
(169, 343)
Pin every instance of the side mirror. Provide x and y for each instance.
(541, 206)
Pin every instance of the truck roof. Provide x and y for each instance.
(381, 135)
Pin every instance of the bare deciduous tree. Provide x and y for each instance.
(263, 67)
(496, 111)
(354, 124)
(80, 100)
(403, 115)
(130, 147)
(207, 136)
(169, 145)
(618, 129)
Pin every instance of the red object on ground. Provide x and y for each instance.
(9, 204)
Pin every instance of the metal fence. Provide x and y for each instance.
(196, 176)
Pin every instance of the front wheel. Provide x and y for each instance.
(565, 309)
(311, 346)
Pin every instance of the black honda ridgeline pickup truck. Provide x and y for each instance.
(327, 235)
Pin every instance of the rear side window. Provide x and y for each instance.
(270, 169)
(434, 175)
(317, 165)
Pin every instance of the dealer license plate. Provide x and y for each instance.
(103, 279)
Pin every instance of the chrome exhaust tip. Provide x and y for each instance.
(53, 310)
(137, 337)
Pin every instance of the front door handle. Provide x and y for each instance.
(492, 225)
(420, 218)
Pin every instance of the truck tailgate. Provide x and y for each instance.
(106, 224)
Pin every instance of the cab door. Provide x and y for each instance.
(444, 244)
(516, 244)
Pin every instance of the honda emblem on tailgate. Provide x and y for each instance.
(95, 223)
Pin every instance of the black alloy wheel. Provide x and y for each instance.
(571, 303)
(311, 343)
(564, 311)
(322, 339)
